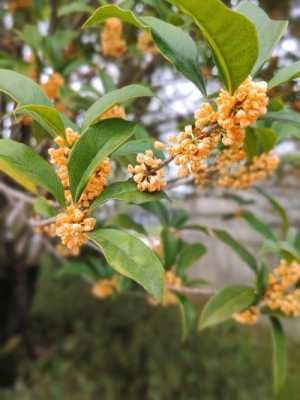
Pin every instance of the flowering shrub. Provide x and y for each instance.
(101, 156)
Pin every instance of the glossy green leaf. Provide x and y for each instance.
(286, 116)
(110, 99)
(42, 207)
(197, 227)
(285, 74)
(259, 140)
(74, 7)
(93, 146)
(174, 44)
(171, 247)
(269, 31)
(127, 222)
(133, 147)
(231, 36)
(277, 207)
(132, 258)
(31, 36)
(258, 225)
(125, 191)
(225, 303)
(158, 209)
(22, 89)
(189, 254)
(77, 269)
(48, 117)
(25, 166)
(178, 218)
(279, 355)
(188, 315)
(262, 281)
(238, 248)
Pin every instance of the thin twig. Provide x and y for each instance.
(173, 183)
(93, 246)
(42, 222)
(193, 290)
(53, 16)
(210, 128)
(16, 194)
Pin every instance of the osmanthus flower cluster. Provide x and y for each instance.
(213, 150)
(70, 226)
(112, 42)
(171, 283)
(51, 87)
(15, 5)
(146, 44)
(282, 294)
(105, 287)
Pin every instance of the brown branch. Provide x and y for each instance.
(41, 222)
(16, 194)
(193, 290)
(53, 16)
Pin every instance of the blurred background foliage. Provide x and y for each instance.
(56, 340)
(110, 349)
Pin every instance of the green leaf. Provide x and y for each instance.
(178, 217)
(46, 116)
(188, 315)
(22, 89)
(93, 146)
(178, 48)
(262, 281)
(25, 166)
(174, 44)
(132, 258)
(107, 81)
(133, 147)
(127, 222)
(189, 254)
(110, 99)
(31, 36)
(269, 31)
(158, 209)
(285, 74)
(225, 303)
(125, 191)
(238, 248)
(41, 206)
(74, 7)
(258, 225)
(171, 247)
(197, 227)
(77, 268)
(231, 36)
(279, 355)
(259, 140)
(277, 207)
(286, 115)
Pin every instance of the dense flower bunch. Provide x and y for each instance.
(52, 86)
(112, 43)
(240, 110)
(71, 224)
(116, 111)
(146, 43)
(14, 5)
(213, 150)
(281, 295)
(148, 174)
(105, 287)
(171, 281)
(247, 174)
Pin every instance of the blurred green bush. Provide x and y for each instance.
(124, 349)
